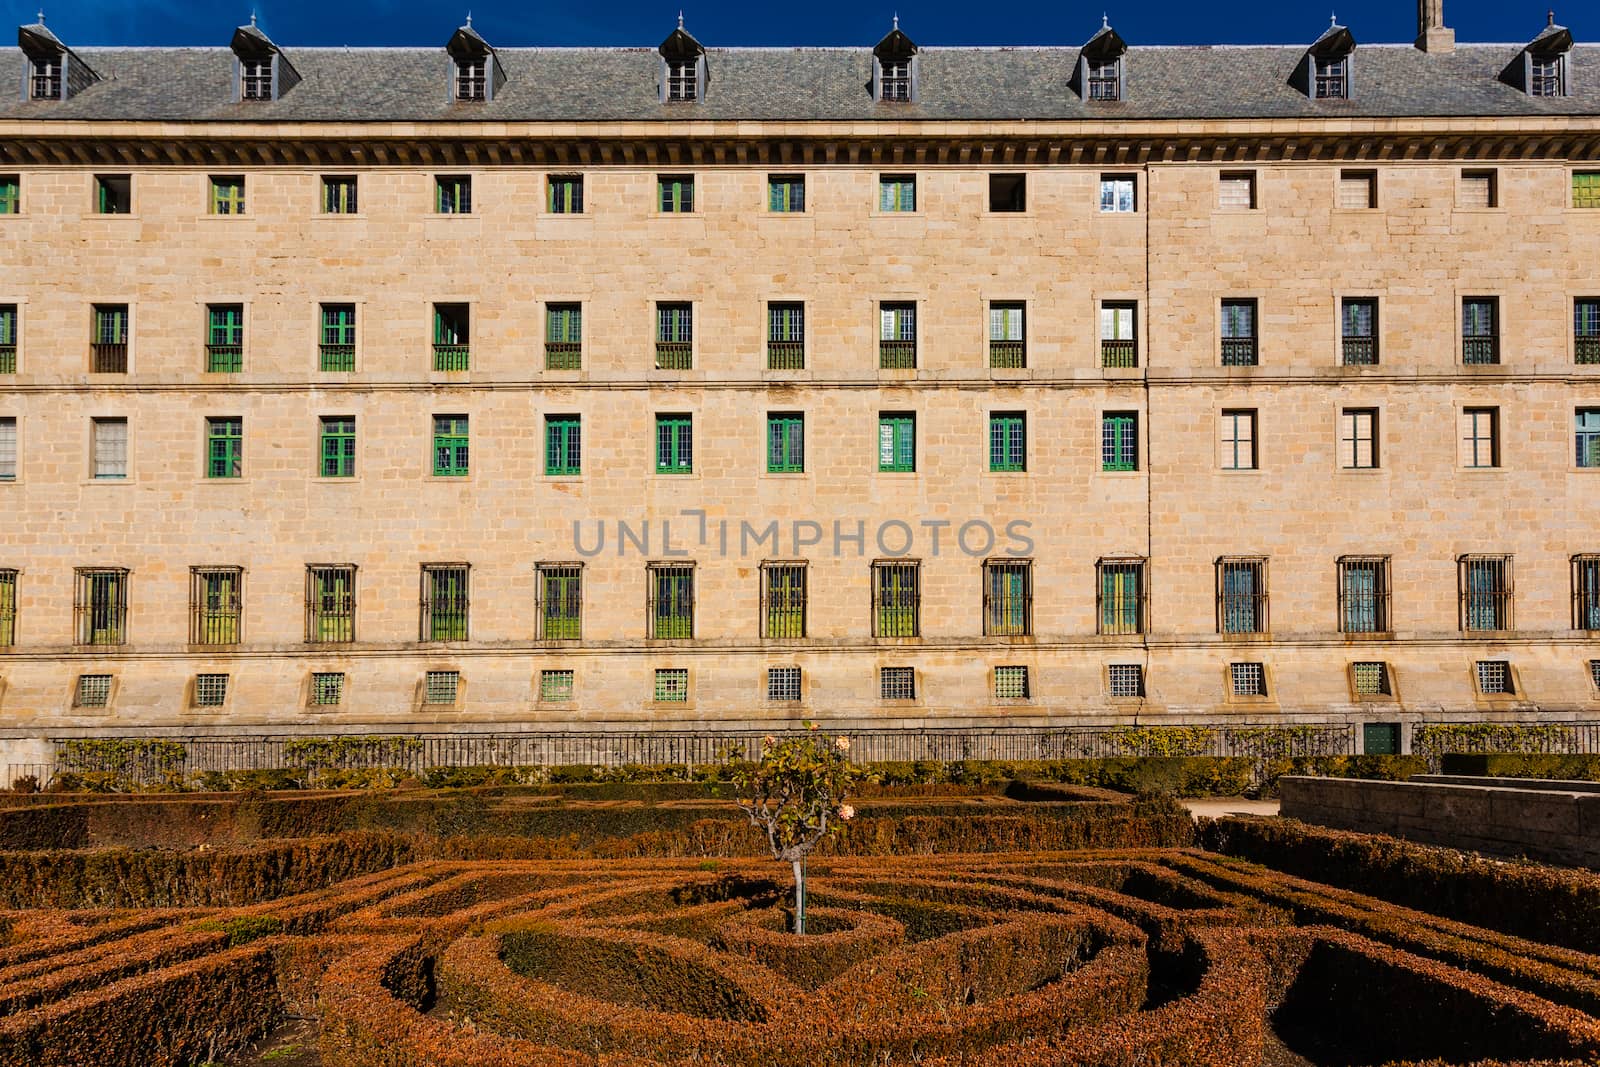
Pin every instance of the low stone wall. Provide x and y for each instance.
(1559, 823)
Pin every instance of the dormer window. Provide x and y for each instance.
(681, 81)
(683, 68)
(1325, 71)
(894, 68)
(45, 80)
(53, 71)
(261, 71)
(1333, 78)
(472, 79)
(1544, 66)
(1105, 79)
(896, 82)
(1547, 75)
(255, 79)
(1101, 72)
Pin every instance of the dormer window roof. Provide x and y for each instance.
(52, 71)
(894, 68)
(475, 73)
(261, 72)
(1328, 64)
(1543, 68)
(683, 68)
(1102, 66)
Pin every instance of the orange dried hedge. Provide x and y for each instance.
(45, 981)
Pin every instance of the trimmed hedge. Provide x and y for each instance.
(1577, 768)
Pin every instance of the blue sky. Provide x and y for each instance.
(741, 22)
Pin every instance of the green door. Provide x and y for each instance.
(1380, 739)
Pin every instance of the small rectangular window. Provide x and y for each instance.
(100, 603)
(563, 444)
(113, 194)
(1011, 683)
(560, 604)
(674, 444)
(1585, 188)
(224, 338)
(452, 337)
(786, 193)
(339, 194)
(1371, 679)
(1594, 673)
(336, 349)
(897, 441)
(1586, 592)
(555, 687)
(1248, 679)
(1240, 343)
(1494, 677)
(110, 447)
(10, 194)
(896, 598)
(1008, 441)
(1238, 440)
(897, 683)
(451, 446)
(108, 346)
(897, 192)
(1586, 437)
(1119, 345)
(1364, 594)
(1007, 598)
(894, 83)
(1008, 192)
(452, 194)
(897, 336)
(1358, 328)
(1546, 75)
(786, 442)
(1486, 593)
(786, 336)
(674, 336)
(1332, 80)
(683, 81)
(216, 605)
(445, 601)
(227, 194)
(224, 447)
(327, 688)
(472, 79)
(8, 608)
(1118, 194)
(1119, 441)
(330, 603)
(1358, 189)
(8, 449)
(783, 684)
(1105, 78)
(1121, 595)
(1008, 346)
(1125, 680)
(1358, 438)
(336, 441)
(565, 194)
(672, 685)
(94, 691)
(1242, 595)
(210, 690)
(1480, 329)
(255, 79)
(44, 79)
(1236, 190)
(1585, 330)
(1479, 189)
(783, 601)
(8, 338)
(441, 687)
(563, 336)
(1480, 438)
(671, 608)
(675, 193)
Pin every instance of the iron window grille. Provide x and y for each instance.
(1585, 188)
(44, 80)
(672, 685)
(563, 336)
(1480, 437)
(216, 605)
(560, 601)
(339, 194)
(8, 608)
(1585, 330)
(897, 683)
(1119, 344)
(1486, 593)
(108, 347)
(1248, 679)
(897, 337)
(1333, 78)
(786, 193)
(441, 687)
(210, 690)
(563, 445)
(100, 605)
(783, 684)
(472, 79)
(565, 194)
(113, 194)
(555, 687)
(675, 193)
(337, 440)
(786, 336)
(224, 447)
(1586, 592)
(227, 195)
(327, 688)
(224, 338)
(1011, 683)
(1364, 592)
(8, 338)
(671, 601)
(786, 442)
(897, 192)
(8, 448)
(674, 444)
(1594, 673)
(336, 350)
(1586, 437)
(1239, 439)
(1008, 598)
(1121, 596)
(1480, 189)
(1008, 192)
(1240, 344)
(1118, 194)
(452, 194)
(451, 446)
(1008, 346)
(1242, 595)
(1105, 79)
(94, 691)
(445, 601)
(1008, 442)
(896, 598)
(1358, 438)
(783, 600)
(255, 79)
(674, 336)
(1237, 190)
(1125, 680)
(331, 604)
(109, 438)
(1371, 679)
(1480, 330)
(1494, 677)
(1119, 441)
(452, 337)
(1359, 329)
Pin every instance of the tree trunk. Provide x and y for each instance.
(800, 896)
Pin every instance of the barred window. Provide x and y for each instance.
(1358, 438)
(674, 336)
(1120, 591)
(560, 607)
(783, 600)
(1119, 344)
(1486, 592)
(1358, 189)
(555, 687)
(896, 598)
(8, 608)
(452, 337)
(1586, 592)
(8, 449)
(671, 607)
(1585, 330)
(1585, 188)
(445, 601)
(1480, 329)
(1242, 595)
(336, 351)
(565, 194)
(783, 683)
(100, 605)
(897, 683)
(8, 338)
(1008, 346)
(1238, 444)
(1358, 325)
(1364, 594)
(672, 685)
(94, 691)
(452, 194)
(897, 336)
(1239, 339)
(786, 336)
(1236, 190)
(216, 605)
(327, 688)
(1248, 679)
(331, 603)
(1494, 677)
(224, 338)
(210, 690)
(339, 194)
(1371, 679)
(1011, 683)
(108, 344)
(1594, 672)
(441, 687)
(1007, 598)
(563, 336)
(1125, 680)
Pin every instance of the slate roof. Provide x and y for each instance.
(799, 84)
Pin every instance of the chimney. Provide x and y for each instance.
(1432, 34)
